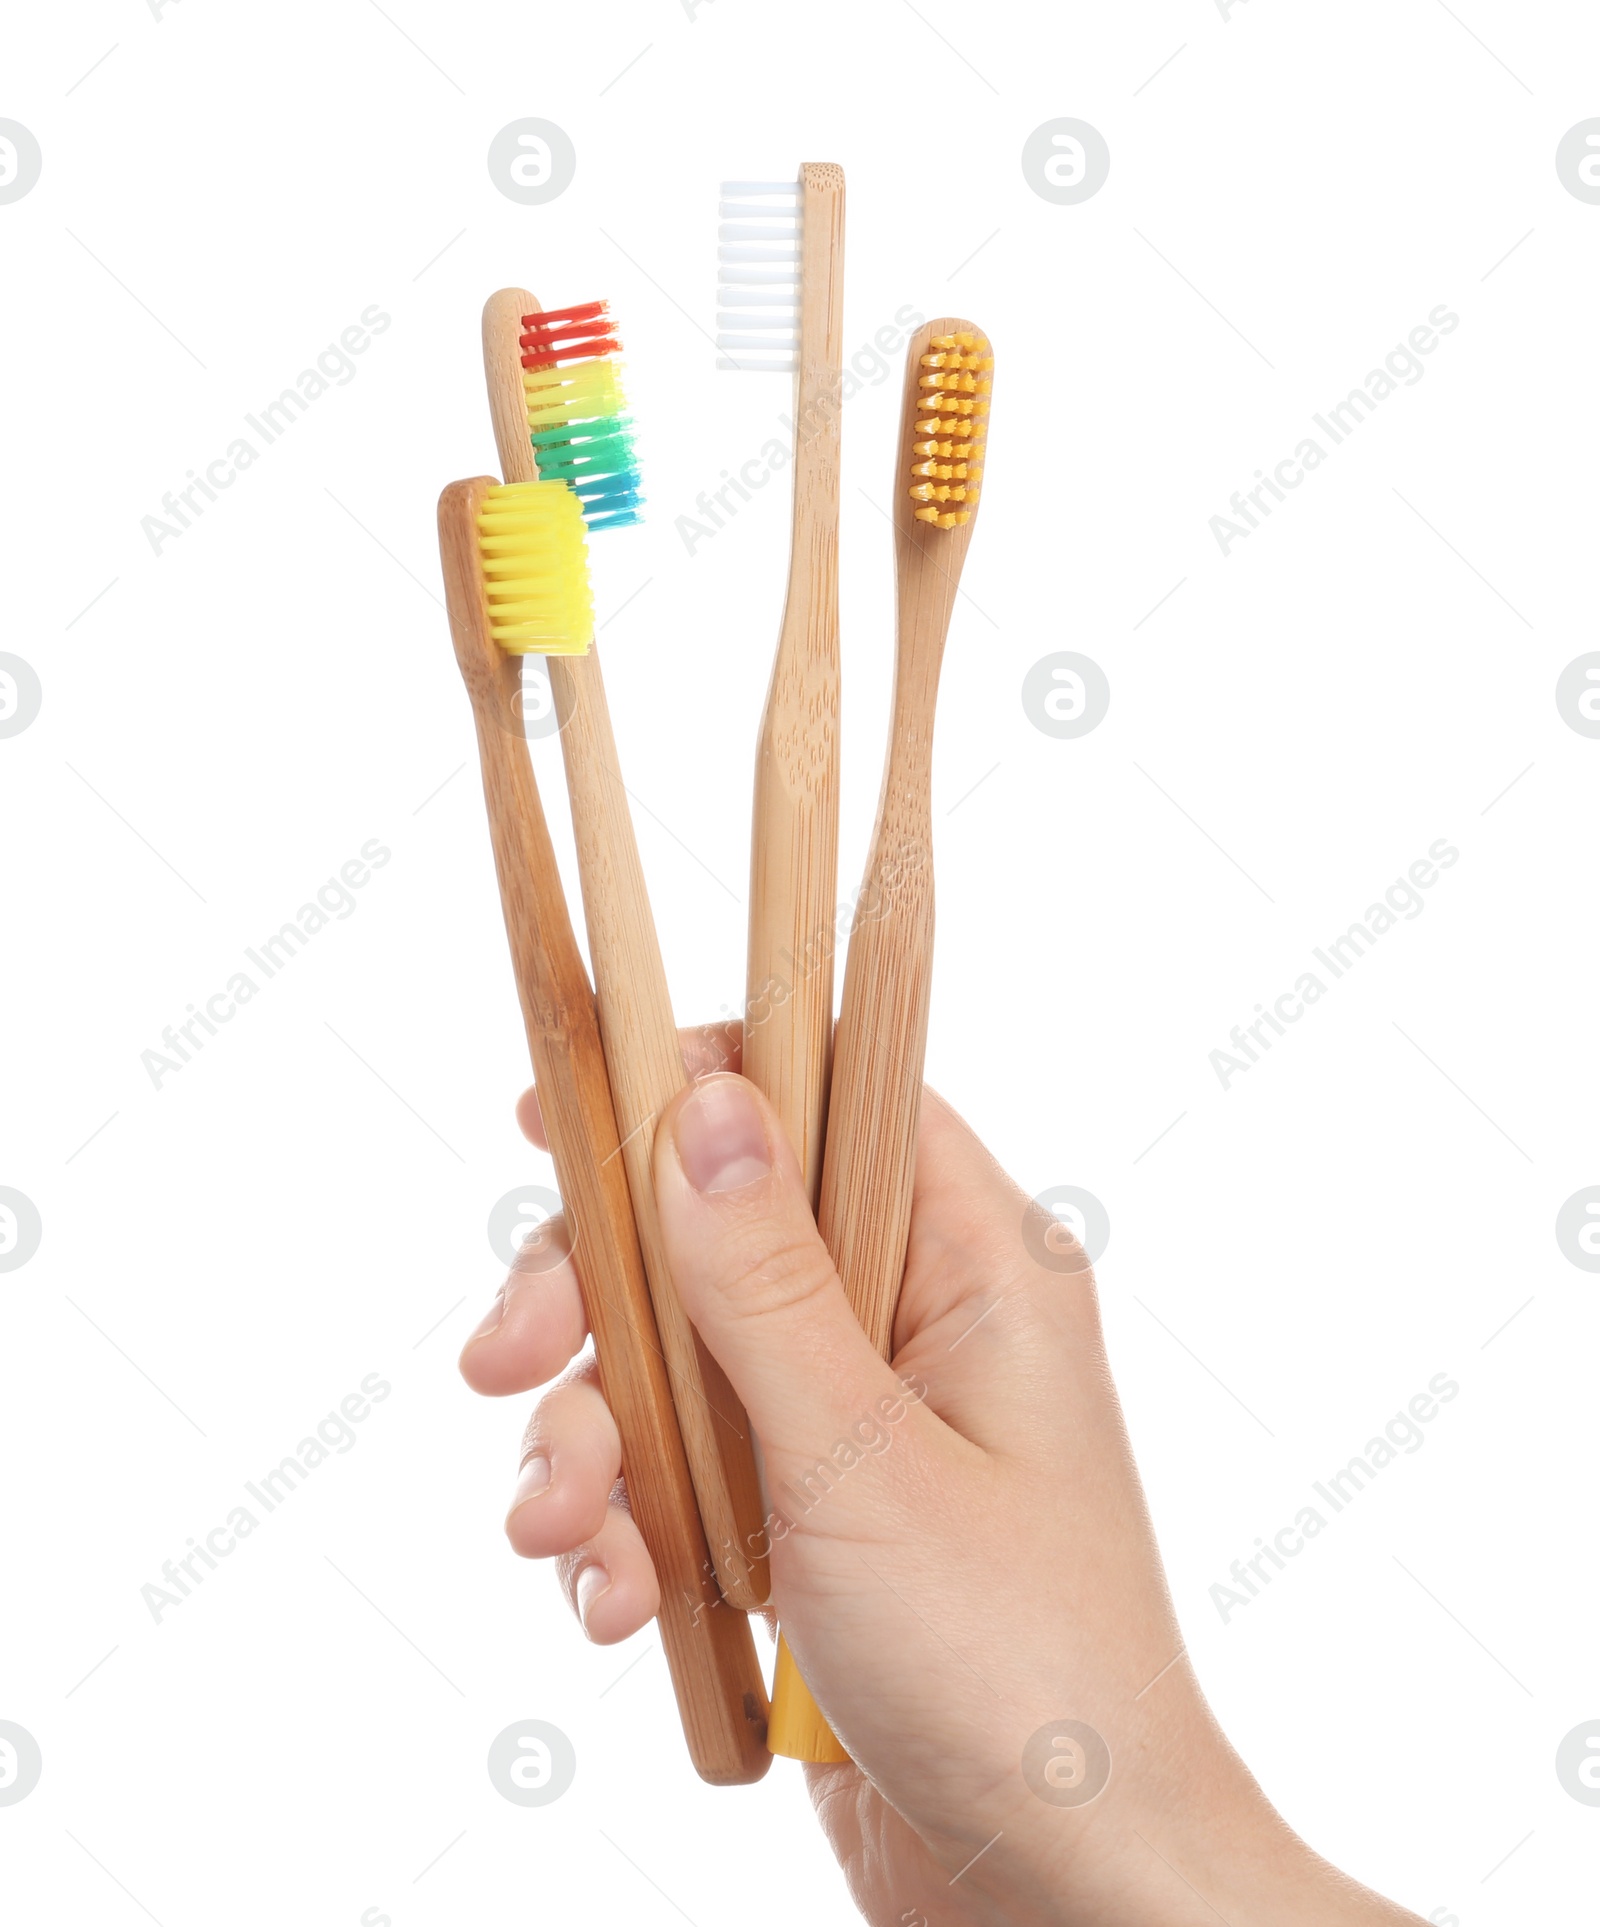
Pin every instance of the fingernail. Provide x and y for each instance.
(490, 1320)
(592, 1582)
(531, 1480)
(722, 1145)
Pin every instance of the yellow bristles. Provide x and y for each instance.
(535, 564)
(953, 382)
(961, 384)
(580, 392)
(949, 405)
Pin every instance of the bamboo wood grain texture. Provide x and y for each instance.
(637, 1029)
(709, 1649)
(865, 1211)
(794, 841)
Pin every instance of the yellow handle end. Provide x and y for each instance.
(796, 1729)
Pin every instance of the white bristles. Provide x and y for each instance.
(758, 266)
(758, 298)
(790, 344)
(784, 321)
(787, 217)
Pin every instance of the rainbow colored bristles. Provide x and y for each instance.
(535, 564)
(952, 416)
(575, 408)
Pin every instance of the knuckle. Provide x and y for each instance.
(767, 1278)
(546, 1248)
(567, 1404)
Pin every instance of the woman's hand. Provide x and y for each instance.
(961, 1554)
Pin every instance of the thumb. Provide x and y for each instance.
(754, 1275)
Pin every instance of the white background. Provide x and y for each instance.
(1288, 731)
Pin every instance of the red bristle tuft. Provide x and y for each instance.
(585, 311)
(582, 333)
(561, 337)
(580, 348)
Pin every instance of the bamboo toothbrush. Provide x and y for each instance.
(869, 1163)
(865, 1214)
(515, 579)
(781, 302)
(555, 406)
(785, 304)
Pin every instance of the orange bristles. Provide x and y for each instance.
(952, 403)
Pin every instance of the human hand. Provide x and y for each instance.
(961, 1553)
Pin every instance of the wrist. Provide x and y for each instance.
(1180, 1836)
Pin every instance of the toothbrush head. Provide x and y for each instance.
(534, 561)
(952, 405)
(577, 422)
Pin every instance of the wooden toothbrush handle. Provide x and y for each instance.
(869, 1166)
(795, 823)
(646, 1071)
(788, 1017)
(709, 1649)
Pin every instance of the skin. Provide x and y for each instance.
(980, 1565)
